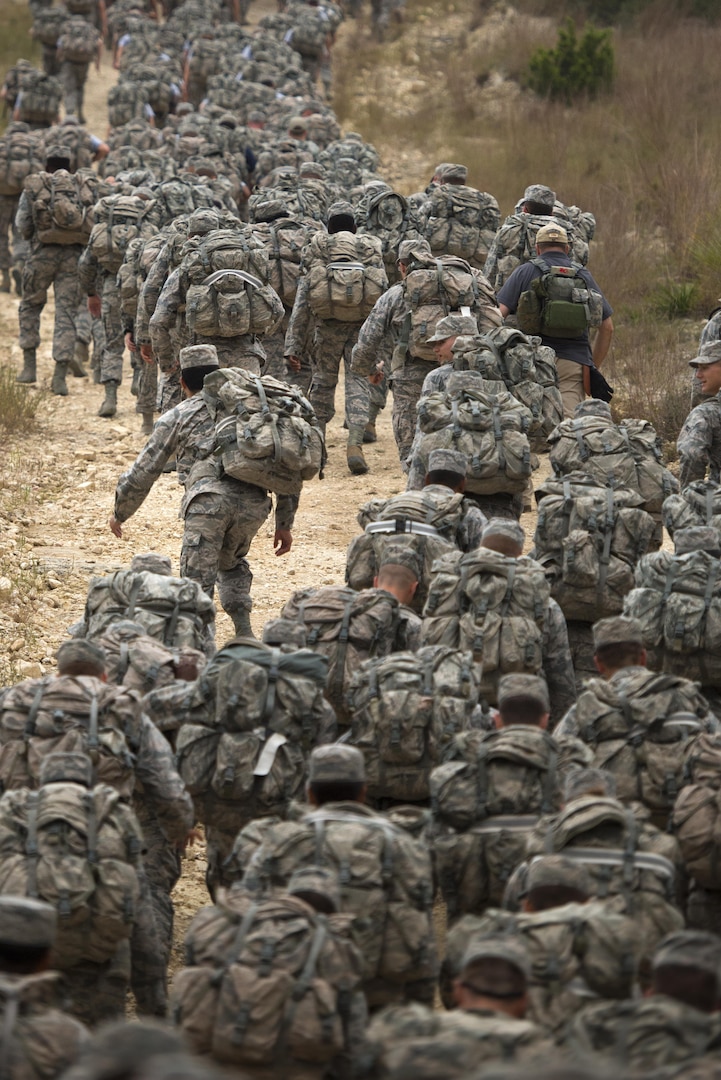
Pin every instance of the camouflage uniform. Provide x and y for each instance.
(97, 281)
(73, 77)
(8, 210)
(48, 264)
(699, 443)
(333, 341)
(222, 515)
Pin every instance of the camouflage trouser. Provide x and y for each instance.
(171, 393)
(111, 366)
(56, 265)
(147, 401)
(406, 384)
(95, 993)
(274, 345)
(73, 78)
(162, 870)
(334, 341)
(219, 529)
(149, 950)
(378, 399)
(8, 208)
(51, 64)
(580, 638)
(219, 844)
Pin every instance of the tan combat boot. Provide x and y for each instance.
(354, 452)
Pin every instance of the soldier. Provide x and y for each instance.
(389, 323)
(488, 1023)
(398, 574)
(19, 156)
(507, 538)
(49, 263)
(333, 341)
(77, 43)
(699, 441)
(458, 219)
(221, 515)
(574, 356)
(37, 1039)
(676, 1023)
(447, 469)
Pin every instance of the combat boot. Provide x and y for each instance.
(354, 452)
(80, 357)
(29, 371)
(5, 285)
(241, 622)
(369, 433)
(110, 402)
(58, 385)
(147, 425)
(18, 279)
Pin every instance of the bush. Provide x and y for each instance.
(577, 67)
(18, 405)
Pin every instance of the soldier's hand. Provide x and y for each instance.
(375, 378)
(293, 363)
(146, 351)
(115, 526)
(282, 541)
(190, 840)
(130, 343)
(94, 306)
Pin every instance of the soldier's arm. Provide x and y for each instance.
(557, 663)
(149, 293)
(471, 527)
(296, 333)
(134, 484)
(364, 358)
(163, 318)
(568, 726)
(694, 444)
(88, 272)
(162, 786)
(24, 218)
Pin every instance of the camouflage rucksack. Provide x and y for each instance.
(175, 197)
(347, 627)
(157, 80)
(176, 611)
(62, 205)
(385, 878)
(308, 33)
(640, 727)
(677, 600)
(405, 709)
(64, 714)
(424, 521)
(141, 663)
(77, 849)
(79, 41)
(433, 287)
(461, 221)
(388, 217)
(13, 78)
(492, 605)
(41, 97)
(698, 504)
(19, 157)
(48, 23)
(577, 952)
(485, 424)
(118, 221)
(284, 240)
(696, 816)
(626, 454)
(515, 243)
(526, 368)
(484, 804)
(126, 102)
(254, 716)
(589, 538)
(266, 432)
(268, 984)
(345, 275)
(71, 137)
(559, 303)
(227, 292)
(135, 132)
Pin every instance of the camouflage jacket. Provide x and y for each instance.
(699, 443)
(41, 1041)
(187, 433)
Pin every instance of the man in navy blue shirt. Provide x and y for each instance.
(575, 357)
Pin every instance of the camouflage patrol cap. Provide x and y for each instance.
(297, 126)
(256, 117)
(270, 210)
(553, 870)
(447, 461)
(312, 170)
(504, 527)
(336, 762)
(697, 949)
(152, 562)
(411, 249)
(340, 209)
(203, 221)
(72, 768)
(449, 170)
(80, 651)
(494, 947)
(527, 686)
(59, 153)
(552, 234)
(697, 538)
(710, 353)
(27, 922)
(193, 356)
(539, 193)
(619, 629)
(593, 407)
(284, 632)
(454, 326)
(400, 553)
(316, 881)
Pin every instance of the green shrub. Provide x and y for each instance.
(577, 67)
(676, 299)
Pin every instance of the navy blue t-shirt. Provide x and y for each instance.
(578, 348)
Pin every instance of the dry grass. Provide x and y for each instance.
(15, 42)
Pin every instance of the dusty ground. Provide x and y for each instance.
(57, 494)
